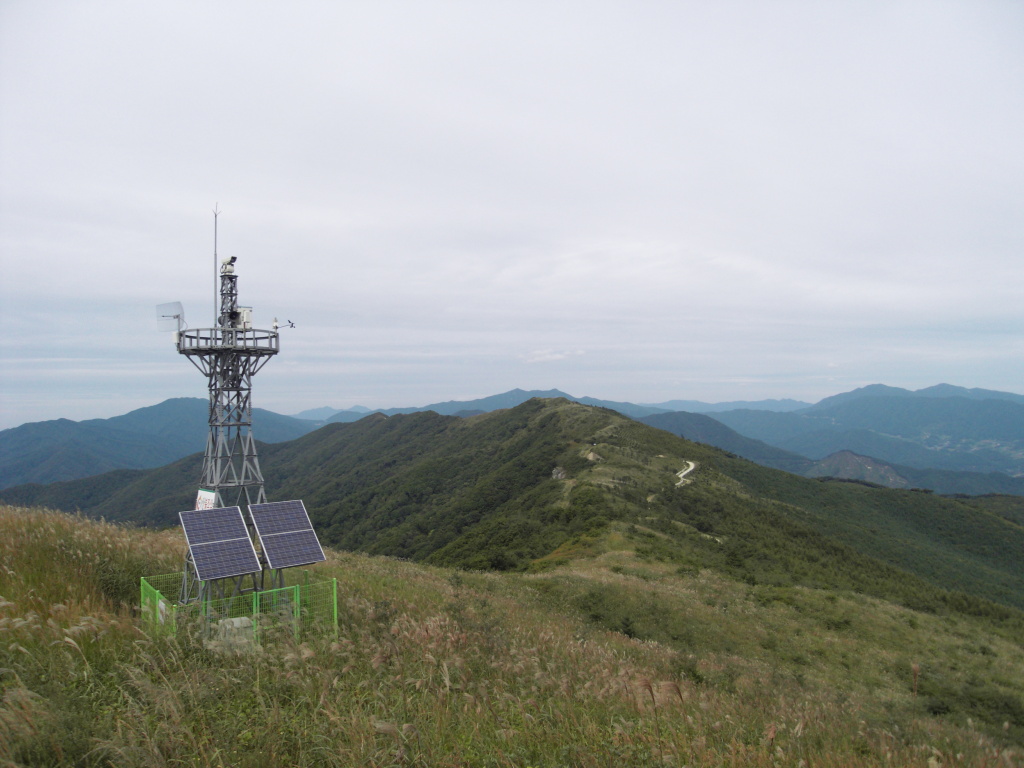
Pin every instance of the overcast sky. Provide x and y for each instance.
(632, 201)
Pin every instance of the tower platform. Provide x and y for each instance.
(250, 341)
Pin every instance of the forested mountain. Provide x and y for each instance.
(508, 489)
(50, 451)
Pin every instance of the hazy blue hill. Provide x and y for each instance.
(345, 417)
(696, 406)
(850, 454)
(632, 410)
(705, 429)
(962, 434)
(516, 397)
(317, 414)
(948, 390)
(938, 390)
(148, 497)
(768, 426)
(871, 390)
(505, 400)
(52, 451)
(938, 420)
(509, 399)
(957, 433)
(817, 445)
(63, 450)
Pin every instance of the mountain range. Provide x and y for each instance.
(944, 438)
(512, 488)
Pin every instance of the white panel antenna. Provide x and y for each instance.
(170, 317)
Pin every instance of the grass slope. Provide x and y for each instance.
(944, 541)
(611, 658)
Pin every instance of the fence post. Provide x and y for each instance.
(335, 590)
(255, 617)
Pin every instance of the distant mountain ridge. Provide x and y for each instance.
(843, 464)
(52, 451)
(515, 397)
(698, 406)
(938, 390)
(326, 412)
(928, 429)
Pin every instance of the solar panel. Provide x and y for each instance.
(286, 533)
(219, 542)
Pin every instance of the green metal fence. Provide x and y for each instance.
(298, 609)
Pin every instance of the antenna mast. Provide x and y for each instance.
(216, 213)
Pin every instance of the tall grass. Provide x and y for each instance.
(439, 668)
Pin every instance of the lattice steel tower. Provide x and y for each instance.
(229, 356)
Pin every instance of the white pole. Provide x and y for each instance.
(216, 213)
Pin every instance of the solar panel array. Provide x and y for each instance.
(219, 542)
(286, 534)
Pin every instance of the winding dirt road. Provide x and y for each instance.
(681, 474)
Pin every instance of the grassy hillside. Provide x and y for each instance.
(1008, 507)
(945, 541)
(610, 658)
